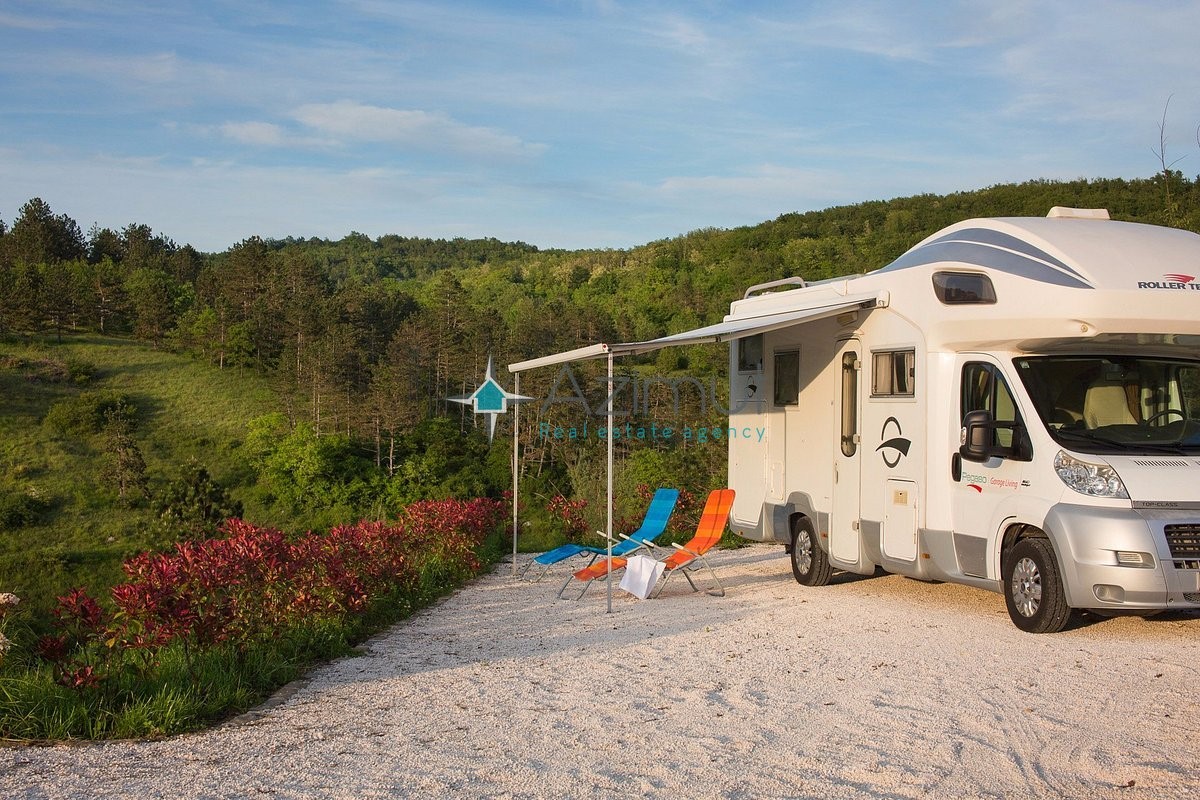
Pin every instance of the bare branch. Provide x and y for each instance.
(1161, 152)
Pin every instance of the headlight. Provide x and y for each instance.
(1094, 480)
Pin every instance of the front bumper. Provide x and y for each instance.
(1088, 540)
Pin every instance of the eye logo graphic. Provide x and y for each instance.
(490, 398)
(895, 448)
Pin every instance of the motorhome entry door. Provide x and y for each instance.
(844, 523)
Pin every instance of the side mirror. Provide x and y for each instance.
(975, 440)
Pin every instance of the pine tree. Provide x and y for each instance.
(124, 468)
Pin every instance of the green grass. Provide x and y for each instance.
(175, 695)
(59, 526)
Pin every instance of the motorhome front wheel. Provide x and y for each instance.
(1033, 589)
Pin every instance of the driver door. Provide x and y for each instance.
(984, 489)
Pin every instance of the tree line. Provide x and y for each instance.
(369, 339)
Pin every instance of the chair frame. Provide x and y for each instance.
(601, 558)
(687, 568)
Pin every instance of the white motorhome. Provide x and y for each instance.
(1013, 404)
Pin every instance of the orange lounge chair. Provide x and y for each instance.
(708, 533)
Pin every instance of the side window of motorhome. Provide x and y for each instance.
(893, 373)
(984, 389)
(787, 378)
(849, 431)
(958, 288)
(750, 353)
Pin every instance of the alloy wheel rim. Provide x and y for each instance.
(1027, 587)
(803, 553)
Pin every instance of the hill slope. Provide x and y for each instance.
(60, 524)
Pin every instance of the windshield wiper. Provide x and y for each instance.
(1088, 435)
(1177, 448)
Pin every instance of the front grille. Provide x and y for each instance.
(1192, 597)
(1183, 540)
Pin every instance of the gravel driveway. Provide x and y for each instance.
(881, 687)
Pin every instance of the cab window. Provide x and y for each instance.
(984, 389)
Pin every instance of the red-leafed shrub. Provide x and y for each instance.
(569, 514)
(254, 584)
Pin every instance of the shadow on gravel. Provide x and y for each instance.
(498, 619)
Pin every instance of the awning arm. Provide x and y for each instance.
(578, 354)
(736, 328)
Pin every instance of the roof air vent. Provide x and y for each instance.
(1063, 212)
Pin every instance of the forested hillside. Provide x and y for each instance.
(353, 348)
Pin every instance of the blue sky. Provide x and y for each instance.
(569, 124)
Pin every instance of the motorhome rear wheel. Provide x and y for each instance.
(810, 565)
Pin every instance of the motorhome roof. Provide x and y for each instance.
(1070, 251)
(1060, 281)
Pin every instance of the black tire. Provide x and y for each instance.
(1033, 588)
(810, 564)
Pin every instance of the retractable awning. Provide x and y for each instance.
(720, 332)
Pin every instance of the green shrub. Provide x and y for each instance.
(20, 508)
(194, 505)
(84, 414)
(79, 371)
(50, 370)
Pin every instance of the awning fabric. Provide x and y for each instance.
(720, 332)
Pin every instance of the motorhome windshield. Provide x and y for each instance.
(1116, 404)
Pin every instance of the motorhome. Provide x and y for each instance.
(1012, 404)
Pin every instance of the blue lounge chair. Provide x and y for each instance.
(655, 522)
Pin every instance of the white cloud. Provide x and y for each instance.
(226, 201)
(28, 23)
(424, 130)
(115, 69)
(1115, 64)
(885, 30)
(747, 197)
(683, 33)
(257, 133)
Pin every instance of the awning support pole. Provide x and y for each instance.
(611, 384)
(516, 467)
